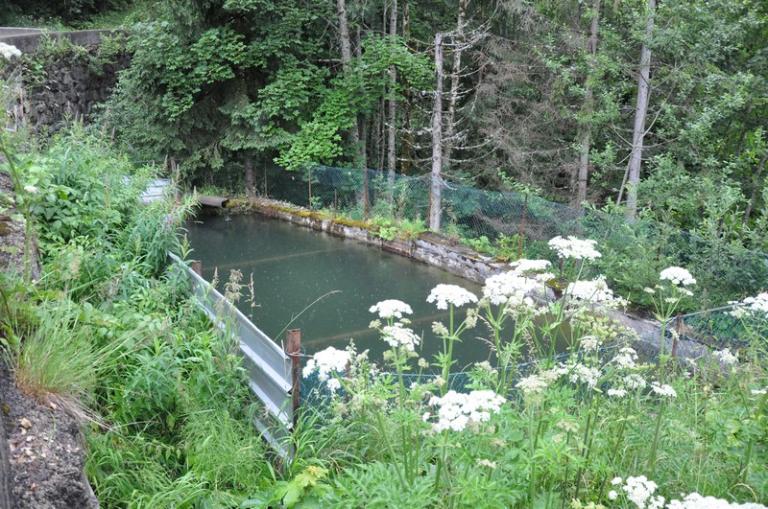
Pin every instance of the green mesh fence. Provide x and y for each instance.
(510, 225)
(719, 328)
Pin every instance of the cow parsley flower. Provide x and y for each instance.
(595, 292)
(634, 381)
(573, 247)
(751, 306)
(726, 357)
(456, 411)
(442, 295)
(626, 358)
(328, 361)
(440, 330)
(678, 276)
(482, 462)
(391, 308)
(640, 492)
(398, 336)
(589, 343)
(8, 51)
(696, 501)
(31, 189)
(532, 385)
(510, 288)
(663, 390)
(616, 393)
(580, 373)
(524, 266)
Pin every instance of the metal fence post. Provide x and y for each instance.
(293, 350)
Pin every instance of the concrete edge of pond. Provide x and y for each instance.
(456, 259)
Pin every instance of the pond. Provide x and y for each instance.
(322, 284)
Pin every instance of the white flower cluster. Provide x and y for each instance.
(573, 247)
(328, 361)
(589, 343)
(640, 491)
(634, 381)
(579, 373)
(626, 358)
(533, 268)
(664, 390)
(391, 308)
(696, 501)
(518, 285)
(442, 295)
(595, 292)
(726, 357)
(678, 276)
(509, 288)
(457, 410)
(8, 51)
(751, 306)
(532, 385)
(398, 336)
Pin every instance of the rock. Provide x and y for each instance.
(25, 423)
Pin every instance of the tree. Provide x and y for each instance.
(641, 110)
(436, 179)
(585, 141)
(392, 104)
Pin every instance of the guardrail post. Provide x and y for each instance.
(293, 350)
(197, 267)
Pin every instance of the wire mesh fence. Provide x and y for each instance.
(511, 225)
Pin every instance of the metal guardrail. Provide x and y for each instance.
(271, 371)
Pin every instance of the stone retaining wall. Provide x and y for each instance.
(459, 260)
(49, 89)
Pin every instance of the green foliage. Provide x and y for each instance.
(350, 94)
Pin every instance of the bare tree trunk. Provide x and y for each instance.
(436, 181)
(641, 110)
(362, 142)
(346, 45)
(585, 141)
(392, 106)
(450, 114)
(354, 133)
(250, 177)
(409, 140)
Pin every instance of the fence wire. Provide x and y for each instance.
(520, 224)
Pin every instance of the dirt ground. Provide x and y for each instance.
(46, 453)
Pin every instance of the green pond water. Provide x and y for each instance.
(292, 267)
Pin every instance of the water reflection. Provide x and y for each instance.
(322, 284)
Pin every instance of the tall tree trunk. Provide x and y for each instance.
(453, 97)
(641, 110)
(585, 138)
(436, 181)
(392, 106)
(250, 177)
(346, 63)
(362, 148)
(409, 139)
